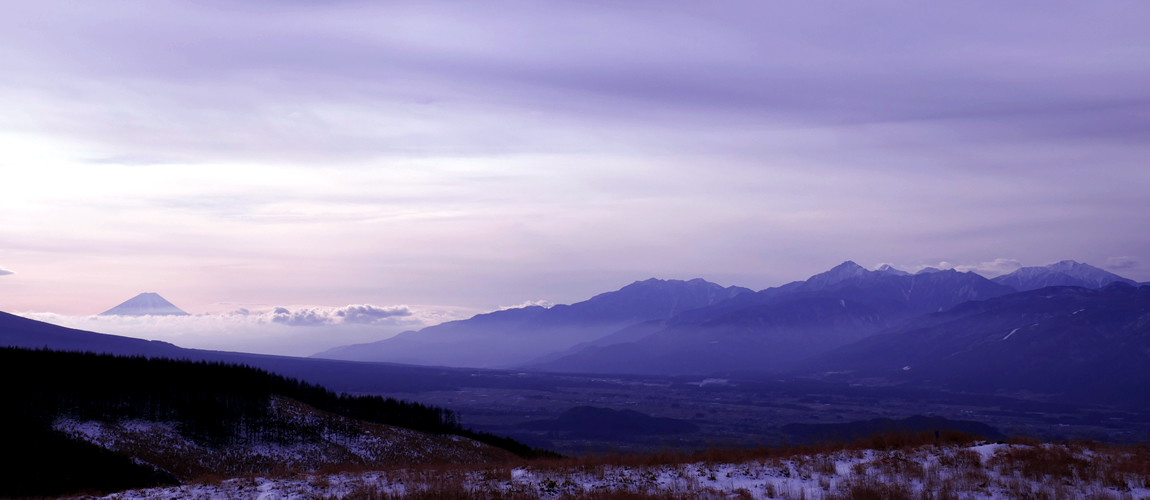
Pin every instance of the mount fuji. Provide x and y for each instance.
(145, 304)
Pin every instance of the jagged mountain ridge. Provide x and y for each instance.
(1064, 273)
(145, 304)
(512, 336)
(773, 329)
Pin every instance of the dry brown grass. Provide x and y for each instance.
(892, 441)
(457, 490)
(908, 466)
(870, 489)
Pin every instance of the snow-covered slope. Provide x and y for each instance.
(1064, 273)
(311, 440)
(984, 471)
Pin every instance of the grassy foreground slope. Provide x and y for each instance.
(891, 467)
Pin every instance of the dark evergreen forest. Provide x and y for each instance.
(214, 404)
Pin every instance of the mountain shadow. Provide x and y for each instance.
(1068, 343)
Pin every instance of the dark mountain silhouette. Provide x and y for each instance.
(1064, 273)
(590, 422)
(773, 329)
(342, 376)
(852, 431)
(514, 336)
(1068, 342)
(17, 331)
(45, 463)
(145, 304)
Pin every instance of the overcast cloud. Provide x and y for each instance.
(487, 154)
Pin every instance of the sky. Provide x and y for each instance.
(451, 158)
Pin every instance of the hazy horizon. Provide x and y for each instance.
(306, 329)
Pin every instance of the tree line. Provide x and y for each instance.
(213, 403)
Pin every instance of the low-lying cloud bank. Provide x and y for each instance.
(285, 330)
(354, 314)
(989, 269)
(530, 303)
(1000, 266)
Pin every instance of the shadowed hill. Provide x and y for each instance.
(1068, 342)
(18, 331)
(207, 407)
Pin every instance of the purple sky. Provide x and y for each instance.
(460, 157)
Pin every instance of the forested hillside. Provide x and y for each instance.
(211, 404)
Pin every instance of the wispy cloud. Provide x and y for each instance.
(990, 269)
(5, 272)
(1125, 262)
(529, 303)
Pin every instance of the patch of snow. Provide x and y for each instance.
(800, 476)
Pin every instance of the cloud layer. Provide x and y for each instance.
(353, 314)
(295, 331)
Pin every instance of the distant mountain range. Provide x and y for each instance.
(512, 336)
(935, 328)
(145, 304)
(696, 327)
(774, 329)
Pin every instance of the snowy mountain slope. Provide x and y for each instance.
(145, 304)
(974, 471)
(1064, 273)
(1066, 342)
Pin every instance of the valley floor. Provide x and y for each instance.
(979, 471)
